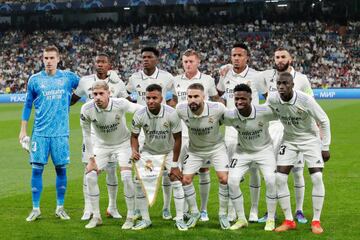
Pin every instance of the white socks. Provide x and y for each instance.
(93, 192)
(318, 194)
(204, 189)
(112, 184)
(166, 187)
(190, 196)
(299, 187)
(283, 194)
(179, 199)
(129, 192)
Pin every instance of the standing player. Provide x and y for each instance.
(254, 146)
(50, 91)
(191, 63)
(300, 114)
(105, 116)
(241, 73)
(206, 143)
(117, 89)
(283, 61)
(138, 82)
(162, 128)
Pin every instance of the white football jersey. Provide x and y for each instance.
(301, 82)
(139, 81)
(181, 84)
(300, 117)
(158, 129)
(109, 124)
(116, 86)
(253, 131)
(249, 77)
(230, 80)
(204, 129)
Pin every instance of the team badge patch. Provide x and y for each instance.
(211, 120)
(261, 124)
(117, 117)
(166, 124)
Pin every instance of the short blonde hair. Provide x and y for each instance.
(100, 84)
(191, 52)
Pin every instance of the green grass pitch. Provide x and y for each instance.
(339, 218)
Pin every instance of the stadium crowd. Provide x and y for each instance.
(328, 54)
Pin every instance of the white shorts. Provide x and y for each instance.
(230, 140)
(120, 154)
(276, 130)
(289, 154)
(194, 161)
(184, 154)
(241, 162)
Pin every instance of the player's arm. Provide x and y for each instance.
(175, 173)
(134, 141)
(30, 96)
(74, 99)
(85, 123)
(323, 122)
(132, 107)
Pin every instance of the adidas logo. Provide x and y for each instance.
(318, 161)
(138, 86)
(228, 82)
(178, 86)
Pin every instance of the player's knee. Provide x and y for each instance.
(316, 178)
(111, 176)
(126, 175)
(37, 170)
(223, 179)
(92, 178)
(187, 180)
(281, 179)
(270, 181)
(60, 170)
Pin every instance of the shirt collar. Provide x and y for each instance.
(242, 74)
(159, 115)
(107, 109)
(291, 101)
(251, 116)
(197, 76)
(153, 76)
(204, 113)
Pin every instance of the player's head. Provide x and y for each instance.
(101, 93)
(283, 59)
(102, 63)
(153, 97)
(242, 96)
(195, 96)
(285, 84)
(149, 56)
(190, 61)
(51, 58)
(239, 56)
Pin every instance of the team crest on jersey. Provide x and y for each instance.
(300, 111)
(211, 120)
(117, 117)
(149, 166)
(166, 124)
(261, 124)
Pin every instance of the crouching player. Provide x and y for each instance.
(162, 128)
(254, 146)
(205, 144)
(107, 117)
(301, 115)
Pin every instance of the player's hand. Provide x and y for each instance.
(135, 155)
(224, 70)
(91, 165)
(176, 173)
(325, 155)
(22, 135)
(25, 143)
